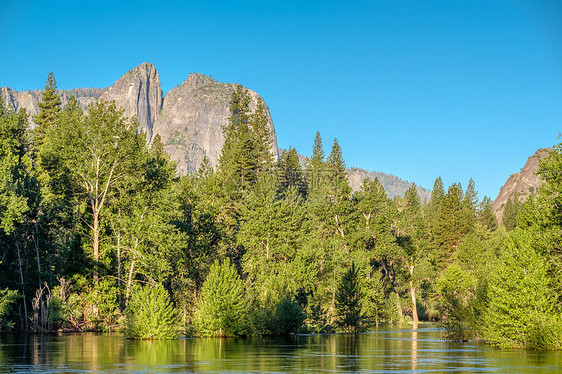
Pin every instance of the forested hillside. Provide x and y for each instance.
(98, 232)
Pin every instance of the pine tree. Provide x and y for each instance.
(239, 158)
(450, 225)
(486, 216)
(263, 137)
(222, 308)
(151, 315)
(315, 169)
(470, 204)
(50, 107)
(437, 194)
(510, 212)
(339, 188)
(291, 175)
(348, 301)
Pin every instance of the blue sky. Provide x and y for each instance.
(481, 90)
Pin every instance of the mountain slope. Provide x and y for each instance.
(524, 183)
(189, 118)
(191, 121)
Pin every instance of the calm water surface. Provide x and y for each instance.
(389, 349)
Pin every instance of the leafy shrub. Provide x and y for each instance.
(7, 297)
(522, 310)
(150, 314)
(457, 305)
(289, 317)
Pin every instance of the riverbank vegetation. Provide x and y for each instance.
(97, 232)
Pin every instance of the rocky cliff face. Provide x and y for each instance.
(524, 183)
(189, 118)
(138, 92)
(20, 100)
(191, 121)
(28, 100)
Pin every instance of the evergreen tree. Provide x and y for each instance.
(14, 166)
(234, 164)
(242, 157)
(263, 137)
(50, 107)
(437, 194)
(470, 204)
(510, 212)
(316, 169)
(348, 301)
(291, 175)
(450, 226)
(222, 307)
(339, 188)
(151, 315)
(486, 216)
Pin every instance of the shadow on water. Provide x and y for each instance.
(387, 349)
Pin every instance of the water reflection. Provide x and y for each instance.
(415, 348)
(382, 350)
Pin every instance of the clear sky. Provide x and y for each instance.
(480, 93)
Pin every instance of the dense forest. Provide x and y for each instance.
(97, 232)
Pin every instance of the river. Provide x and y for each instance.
(385, 350)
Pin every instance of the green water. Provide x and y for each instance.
(382, 351)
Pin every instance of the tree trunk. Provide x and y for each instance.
(96, 243)
(22, 285)
(119, 270)
(389, 270)
(36, 244)
(413, 295)
(129, 282)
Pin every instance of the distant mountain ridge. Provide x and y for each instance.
(393, 186)
(189, 118)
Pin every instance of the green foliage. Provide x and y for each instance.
(457, 289)
(510, 212)
(247, 146)
(450, 226)
(348, 301)
(7, 298)
(522, 310)
(222, 308)
(316, 171)
(289, 317)
(486, 216)
(339, 188)
(290, 173)
(374, 301)
(150, 314)
(50, 107)
(92, 202)
(15, 167)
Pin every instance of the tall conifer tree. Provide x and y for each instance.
(263, 137)
(339, 186)
(315, 169)
(50, 107)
